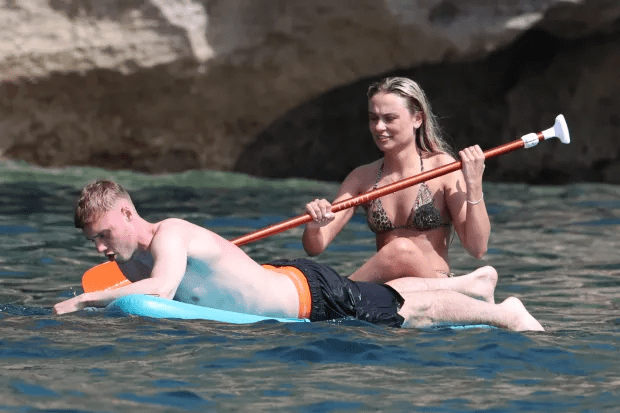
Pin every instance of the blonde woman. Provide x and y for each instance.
(413, 227)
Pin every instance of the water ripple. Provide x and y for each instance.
(554, 247)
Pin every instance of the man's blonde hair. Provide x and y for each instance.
(96, 199)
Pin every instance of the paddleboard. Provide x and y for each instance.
(157, 307)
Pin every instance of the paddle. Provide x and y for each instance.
(97, 279)
(559, 130)
(104, 276)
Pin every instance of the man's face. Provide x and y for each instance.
(112, 234)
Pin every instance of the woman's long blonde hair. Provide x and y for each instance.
(428, 136)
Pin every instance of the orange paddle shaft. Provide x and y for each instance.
(377, 193)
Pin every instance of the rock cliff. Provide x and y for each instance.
(277, 88)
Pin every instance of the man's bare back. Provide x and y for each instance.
(219, 274)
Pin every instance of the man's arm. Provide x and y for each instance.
(169, 250)
(105, 297)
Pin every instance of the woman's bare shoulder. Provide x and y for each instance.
(437, 159)
(366, 171)
(360, 178)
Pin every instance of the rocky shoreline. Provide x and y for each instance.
(277, 89)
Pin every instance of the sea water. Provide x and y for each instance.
(556, 248)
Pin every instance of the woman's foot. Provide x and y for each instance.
(481, 284)
(523, 320)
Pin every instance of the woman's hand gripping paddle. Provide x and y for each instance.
(108, 275)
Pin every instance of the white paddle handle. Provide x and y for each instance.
(529, 140)
(558, 130)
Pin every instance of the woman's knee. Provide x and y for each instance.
(402, 257)
(401, 246)
(487, 272)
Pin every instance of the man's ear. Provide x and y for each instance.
(126, 212)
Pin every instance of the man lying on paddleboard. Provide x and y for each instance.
(176, 259)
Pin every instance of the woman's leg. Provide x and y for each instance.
(398, 258)
(479, 284)
(402, 259)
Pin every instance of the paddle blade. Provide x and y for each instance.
(558, 130)
(103, 277)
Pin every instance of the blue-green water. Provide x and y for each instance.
(556, 248)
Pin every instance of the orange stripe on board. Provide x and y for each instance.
(103, 277)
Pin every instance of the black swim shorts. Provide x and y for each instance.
(335, 296)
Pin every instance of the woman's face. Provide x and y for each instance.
(391, 124)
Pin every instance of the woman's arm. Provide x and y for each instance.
(465, 201)
(325, 225)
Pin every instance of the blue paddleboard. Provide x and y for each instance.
(157, 307)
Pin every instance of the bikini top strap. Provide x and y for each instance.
(379, 173)
(421, 163)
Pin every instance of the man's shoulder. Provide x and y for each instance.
(172, 229)
(171, 223)
(176, 228)
(177, 234)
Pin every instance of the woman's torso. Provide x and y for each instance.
(419, 213)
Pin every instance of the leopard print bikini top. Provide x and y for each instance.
(424, 214)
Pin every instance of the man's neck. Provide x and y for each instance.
(146, 231)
